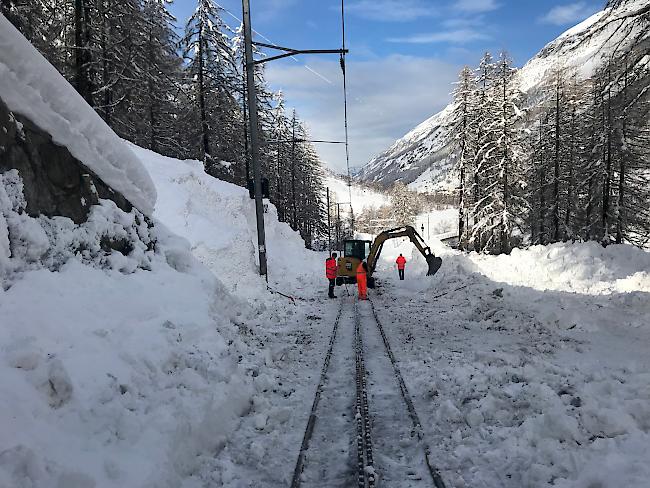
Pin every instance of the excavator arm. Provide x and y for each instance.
(433, 261)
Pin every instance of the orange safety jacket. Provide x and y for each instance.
(361, 270)
(330, 268)
(401, 262)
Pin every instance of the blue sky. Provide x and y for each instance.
(404, 54)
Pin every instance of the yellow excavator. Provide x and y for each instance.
(355, 251)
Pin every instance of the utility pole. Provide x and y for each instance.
(329, 224)
(293, 172)
(252, 120)
(339, 234)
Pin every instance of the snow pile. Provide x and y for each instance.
(51, 242)
(529, 369)
(218, 219)
(32, 87)
(585, 268)
(116, 368)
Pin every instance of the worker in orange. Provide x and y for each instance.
(330, 272)
(362, 280)
(401, 264)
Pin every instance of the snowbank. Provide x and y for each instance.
(529, 369)
(32, 87)
(116, 368)
(218, 219)
(585, 268)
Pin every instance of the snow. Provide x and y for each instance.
(112, 366)
(137, 369)
(171, 364)
(413, 154)
(437, 223)
(174, 366)
(362, 196)
(528, 369)
(32, 87)
(218, 219)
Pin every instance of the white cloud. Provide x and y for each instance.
(387, 97)
(392, 10)
(476, 6)
(570, 13)
(457, 36)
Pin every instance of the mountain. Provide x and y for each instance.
(363, 196)
(422, 157)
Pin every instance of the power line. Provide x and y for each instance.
(345, 102)
(307, 67)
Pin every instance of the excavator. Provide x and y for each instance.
(356, 250)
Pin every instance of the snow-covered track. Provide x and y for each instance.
(365, 463)
(382, 443)
(415, 419)
(297, 473)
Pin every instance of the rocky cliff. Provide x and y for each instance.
(55, 183)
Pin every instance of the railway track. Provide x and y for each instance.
(363, 429)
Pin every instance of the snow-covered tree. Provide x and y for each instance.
(462, 131)
(499, 163)
(211, 72)
(405, 204)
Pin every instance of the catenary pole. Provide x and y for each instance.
(329, 224)
(253, 121)
(255, 150)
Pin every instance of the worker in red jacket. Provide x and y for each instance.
(330, 272)
(401, 264)
(362, 280)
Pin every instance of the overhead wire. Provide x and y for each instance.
(307, 67)
(345, 106)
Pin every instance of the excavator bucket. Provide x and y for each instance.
(434, 263)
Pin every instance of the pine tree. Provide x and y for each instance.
(211, 71)
(404, 205)
(499, 163)
(484, 109)
(462, 129)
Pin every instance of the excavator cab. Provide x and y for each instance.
(356, 251)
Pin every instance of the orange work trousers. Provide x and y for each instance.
(362, 286)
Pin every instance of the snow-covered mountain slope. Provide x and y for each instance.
(32, 87)
(362, 196)
(420, 151)
(218, 219)
(422, 159)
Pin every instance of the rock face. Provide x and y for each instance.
(55, 183)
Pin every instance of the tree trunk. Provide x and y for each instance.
(620, 215)
(556, 176)
(608, 171)
(293, 174)
(571, 182)
(204, 116)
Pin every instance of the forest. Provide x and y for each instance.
(179, 91)
(567, 162)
